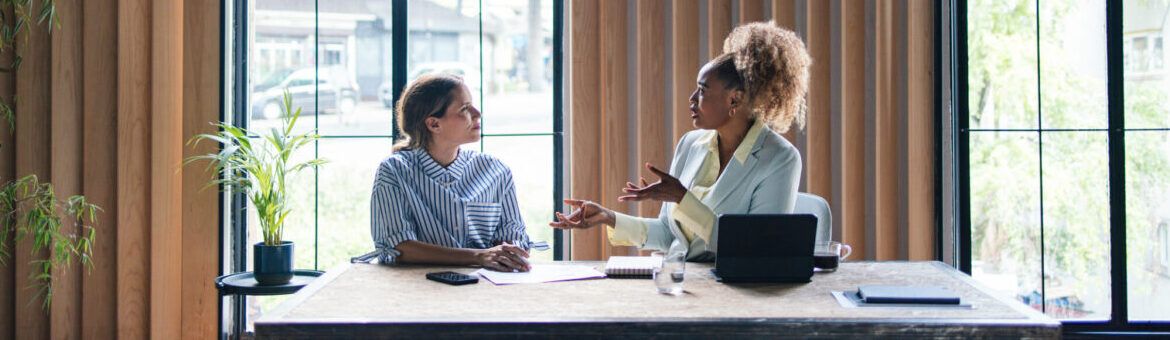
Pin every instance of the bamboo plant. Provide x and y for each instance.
(259, 168)
(29, 207)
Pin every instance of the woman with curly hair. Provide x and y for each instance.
(735, 163)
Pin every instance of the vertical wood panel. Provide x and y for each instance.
(585, 115)
(751, 11)
(32, 158)
(99, 288)
(718, 26)
(887, 139)
(851, 214)
(134, 128)
(784, 13)
(818, 153)
(7, 173)
(166, 139)
(872, 102)
(201, 100)
(685, 57)
(615, 162)
(652, 137)
(66, 123)
(919, 128)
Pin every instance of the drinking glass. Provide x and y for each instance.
(827, 255)
(668, 277)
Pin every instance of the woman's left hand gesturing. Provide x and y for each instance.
(666, 189)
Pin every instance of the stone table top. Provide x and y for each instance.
(366, 295)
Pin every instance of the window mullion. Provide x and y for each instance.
(1040, 152)
(398, 42)
(962, 116)
(1117, 223)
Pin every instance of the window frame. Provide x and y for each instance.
(1119, 322)
(233, 84)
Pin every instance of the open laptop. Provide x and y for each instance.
(765, 248)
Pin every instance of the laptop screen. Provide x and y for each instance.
(766, 235)
(766, 247)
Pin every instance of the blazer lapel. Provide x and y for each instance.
(734, 176)
(697, 154)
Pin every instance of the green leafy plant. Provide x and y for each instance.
(29, 207)
(259, 168)
(15, 16)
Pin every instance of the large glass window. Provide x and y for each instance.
(1041, 145)
(1039, 153)
(1147, 159)
(336, 59)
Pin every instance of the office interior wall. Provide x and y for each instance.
(868, 147)
(106, 102)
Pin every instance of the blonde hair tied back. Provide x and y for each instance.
(774, 66)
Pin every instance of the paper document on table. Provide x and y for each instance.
(542, 273)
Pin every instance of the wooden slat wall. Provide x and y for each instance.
(614, 95)
(818, 173)
(7, 172)
(201, 98)
(685, 55)
(718, 26)
(885, 177)
(868, 146)
(651, 35)
(166, 140)
(584, 72)
(784, 13)
(849, 185)
(32, 157)
(919, 128)
(66, 123)
(752, 10)
(107, 103)
(100, 181)
(134, 206)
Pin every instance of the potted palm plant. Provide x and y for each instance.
(259, 168)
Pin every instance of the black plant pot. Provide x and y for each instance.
(273, 265)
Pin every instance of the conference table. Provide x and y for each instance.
(369, 301)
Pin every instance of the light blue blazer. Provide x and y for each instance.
(765, 183)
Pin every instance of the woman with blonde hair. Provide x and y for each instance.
(434, 203)
(735, 163)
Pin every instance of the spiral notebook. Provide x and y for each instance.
(631, 266)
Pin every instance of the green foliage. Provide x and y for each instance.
(23, 13)
(28, 207)
(1006, 176)
(260, 169)
(31, 208)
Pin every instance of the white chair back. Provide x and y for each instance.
(807, 203)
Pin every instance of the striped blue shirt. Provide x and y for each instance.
(471, 203)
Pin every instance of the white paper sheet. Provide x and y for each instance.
(542, 273)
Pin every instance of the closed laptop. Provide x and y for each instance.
(765, 248)
(907, 295)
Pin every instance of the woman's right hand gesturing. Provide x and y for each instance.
(586, 215)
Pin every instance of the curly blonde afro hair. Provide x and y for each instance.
(772, 69)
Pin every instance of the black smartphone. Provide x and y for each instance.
(452, 278)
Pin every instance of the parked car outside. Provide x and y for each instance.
(335, 92)
(469, 73)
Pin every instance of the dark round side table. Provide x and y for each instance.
(244, 284)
